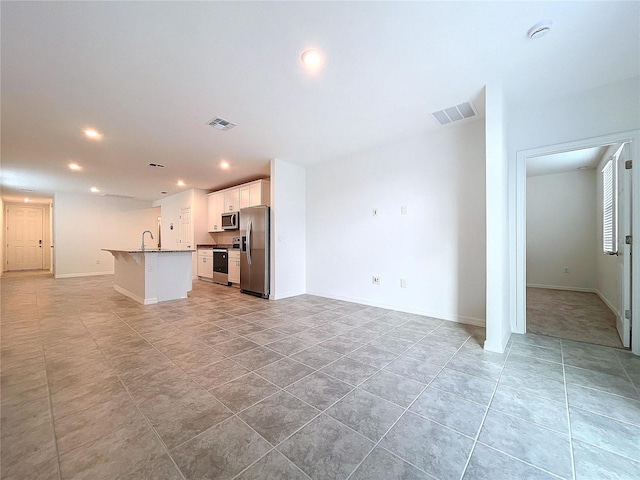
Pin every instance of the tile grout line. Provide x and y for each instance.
(320, 412)
(229, 358)
(566, 399)
(376, 444)
(272, 449)
(126, 390)
(309, 327)
(486, 413)
(46, 375)
(155, 432)
(537, 425)
(624, 369)
(521, 460)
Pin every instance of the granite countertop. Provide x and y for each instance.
(147, 250)
(228, 246)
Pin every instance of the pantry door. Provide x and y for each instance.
(24, 237)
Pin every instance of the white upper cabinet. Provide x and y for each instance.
(255, 193)
(216, 205)
(245, 196)
(232, 200)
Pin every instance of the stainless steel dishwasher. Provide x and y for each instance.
(220, 266)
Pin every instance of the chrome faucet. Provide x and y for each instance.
(146, 231)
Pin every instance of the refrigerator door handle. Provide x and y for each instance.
(249, 225)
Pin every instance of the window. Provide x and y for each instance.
(610, 204)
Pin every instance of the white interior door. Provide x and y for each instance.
(185, 239)
(623, 322)
(24, 237)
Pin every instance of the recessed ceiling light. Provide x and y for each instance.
(180, 183)
(74, 167)
(92, 134)
(312, 59)
(224, 164)
(540, 29)
(26, 200)
(94, 190)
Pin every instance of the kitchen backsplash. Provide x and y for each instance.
(224, 238)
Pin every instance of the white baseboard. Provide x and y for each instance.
(133, 296)
(500, 346)
(477, 322)
(282, 295)
(608, 303)
(84, 274)
(559, 287)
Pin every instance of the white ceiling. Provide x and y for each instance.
(584, 159)
(149, 75)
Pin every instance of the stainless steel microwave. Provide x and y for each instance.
(231, 221)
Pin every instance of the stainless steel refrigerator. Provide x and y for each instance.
(254, 251)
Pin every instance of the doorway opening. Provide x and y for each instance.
(568, 283)
(573, 279)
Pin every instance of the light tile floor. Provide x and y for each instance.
(223, 385)
(579, 316)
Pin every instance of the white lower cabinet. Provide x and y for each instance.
(234, 266)
(205, 263)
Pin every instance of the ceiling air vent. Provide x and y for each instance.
(221, 124)
(453, 114)
(113, 195)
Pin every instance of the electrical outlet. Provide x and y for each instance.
(98, 262)
(375, 280)
(566, 269)
(403, 210)
(403, 283)
(374, 212)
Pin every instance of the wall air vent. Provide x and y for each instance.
(156, 165)
(221, 124)
(453, 114)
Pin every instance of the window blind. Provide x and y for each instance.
(609, 240)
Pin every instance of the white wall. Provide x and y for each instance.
(128, 228)
(438, 247)
(562, 230)
(498, 279)
(540, 122)
(288, 230)
(170, 212)
(84, 224)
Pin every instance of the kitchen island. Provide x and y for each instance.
(151, 276)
